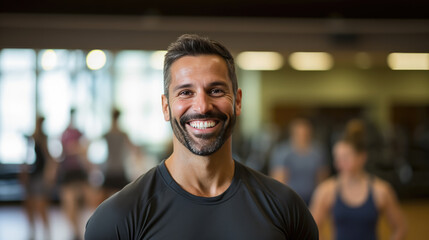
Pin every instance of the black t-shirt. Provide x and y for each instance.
(155, 207)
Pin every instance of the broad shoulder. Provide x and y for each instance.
(290, 210)
(136, 191)
(269, 187)
(117, 211)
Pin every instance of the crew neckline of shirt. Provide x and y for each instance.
(232, 189)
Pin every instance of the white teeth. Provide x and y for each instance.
(202, 124)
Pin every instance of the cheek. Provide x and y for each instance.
(226, 106)
(342, 163)
(338, 163)
(178, 108)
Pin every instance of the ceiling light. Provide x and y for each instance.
(49, 59)
(96, 59)
(262, 61)
(311, 61)
(408, 61)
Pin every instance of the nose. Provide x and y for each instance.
(202, 103)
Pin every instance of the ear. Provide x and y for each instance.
(238, 97)
(165, 108)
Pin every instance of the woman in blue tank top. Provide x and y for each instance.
(353, 198)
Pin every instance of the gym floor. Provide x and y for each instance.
(14, 224)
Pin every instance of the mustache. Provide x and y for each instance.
(188, 117)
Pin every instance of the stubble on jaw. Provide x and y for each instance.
(179, 130)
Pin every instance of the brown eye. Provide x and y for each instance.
(217, 92)
(185, 93)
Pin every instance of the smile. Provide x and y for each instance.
(202, 124)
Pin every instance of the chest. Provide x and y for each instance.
(355, 205)
(308, 161)
(233, 219)
(354, 196)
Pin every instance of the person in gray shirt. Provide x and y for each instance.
(299, 162)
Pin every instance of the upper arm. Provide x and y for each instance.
(322, 200)
(308, 228)
(389, 204)
(300, 223)
(99, 227)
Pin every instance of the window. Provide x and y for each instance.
(50, 82)
(17, 103)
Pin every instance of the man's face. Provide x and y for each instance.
(201, 106)
(301, 133)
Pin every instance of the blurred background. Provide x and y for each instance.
(329, 61)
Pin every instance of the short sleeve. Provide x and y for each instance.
(322, 157)
(302, 225)
(297, 220)
(109, 222)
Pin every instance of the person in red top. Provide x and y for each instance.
(73, 174)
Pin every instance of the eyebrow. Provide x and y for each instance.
(218, 83)
(188, 85)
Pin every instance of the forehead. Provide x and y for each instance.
(301, 125)
(199, 68)
(343, 147)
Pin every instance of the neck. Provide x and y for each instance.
(353, 177)
(205, 176)
(301, 146)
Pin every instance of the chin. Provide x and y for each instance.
(205, 151)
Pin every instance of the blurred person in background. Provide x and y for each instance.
(354, 198)
(299, 162)
(73, 172)
(119, 148)
(38, 179)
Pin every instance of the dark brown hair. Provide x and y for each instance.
(194, 45)
(116, 114)
(355, 135)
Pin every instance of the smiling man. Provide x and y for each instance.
(200, 191)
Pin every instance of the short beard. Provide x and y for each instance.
(179, 130)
